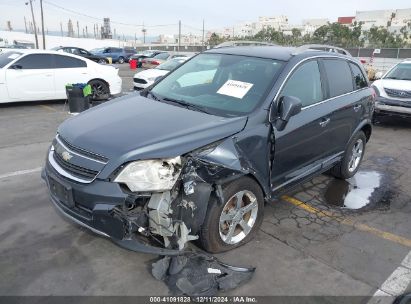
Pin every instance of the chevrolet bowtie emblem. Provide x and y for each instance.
(66, 156)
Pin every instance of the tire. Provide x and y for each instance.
(348, 167)
(121, 60)
(100, 90)
(214, 237)
(102, 61)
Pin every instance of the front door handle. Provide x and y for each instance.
(357, 107)
(324, 122)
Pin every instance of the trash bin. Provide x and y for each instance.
(78, 96)
(133, 64)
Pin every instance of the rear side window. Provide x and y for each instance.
(359, 80)
(305, 83)
(162, 56)
(36, 62)
(66, 62)
(339, 76)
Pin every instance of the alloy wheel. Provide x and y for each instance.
(238, 217)
(356, 155)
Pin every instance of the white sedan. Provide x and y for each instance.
(146, 78)
(32, 75)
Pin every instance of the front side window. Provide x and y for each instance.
(401, 71)
(305, 84)
(36, 62)
(339, 76)
(359, 79)
(66, 62)
(222, 84)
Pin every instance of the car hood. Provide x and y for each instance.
(150, 73)
(394, 84)
(135, 127)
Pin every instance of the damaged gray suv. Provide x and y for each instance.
(198, 154)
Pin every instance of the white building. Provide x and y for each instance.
(374, 18)
(310, 25)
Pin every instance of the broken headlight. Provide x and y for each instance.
(150, 175)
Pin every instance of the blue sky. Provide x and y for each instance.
(216, 13)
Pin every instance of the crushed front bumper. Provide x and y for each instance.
(91, 206)
(392, 107)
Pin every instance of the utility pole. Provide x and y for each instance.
(34, 23)
(42, 24)
(179, 35)
(78, 30)
(25, 24)
(61, 28)
(144, 34)
(203, 42)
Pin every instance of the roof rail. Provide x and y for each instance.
(321, 47)
(242, 43)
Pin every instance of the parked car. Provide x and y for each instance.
(144, 79)
(33, 75)
(118, 55)
(394, 91)
(83, 53)
(149, 63)
(198, 154)
(145, 54)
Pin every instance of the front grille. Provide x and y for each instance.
(83, 152)
(75, 170)
(139, 80)
(398, 93)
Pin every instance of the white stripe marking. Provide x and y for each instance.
(396, 284)
(407, 261)
(21, 172)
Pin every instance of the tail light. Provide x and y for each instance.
(143, 61)
(154, 62)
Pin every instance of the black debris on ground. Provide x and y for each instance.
(197, 274)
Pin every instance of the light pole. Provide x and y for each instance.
(34, 23)
(42, 25)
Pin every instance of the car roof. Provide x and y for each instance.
(35, 51)
(271, 52)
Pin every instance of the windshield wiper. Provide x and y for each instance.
(187, 105)
(153, 96)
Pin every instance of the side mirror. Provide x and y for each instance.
(16, 67)
(378, 75)
(288, 106)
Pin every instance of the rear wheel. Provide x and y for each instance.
(102, 61)
(121, 60)
(352, 158)
(99, 90)
(237, 220)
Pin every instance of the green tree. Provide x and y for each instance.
(379, 37)
(215, 39)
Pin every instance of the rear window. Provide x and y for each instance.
(7, 57)
(339, 76)
(66, 62)
(359, 79)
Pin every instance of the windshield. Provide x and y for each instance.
(161, 56)
(401, 72)
(98, 50)
(8, 57)
(171, 64)
(223, 84)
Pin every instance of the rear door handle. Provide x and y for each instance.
(324, 122)
(357, 107)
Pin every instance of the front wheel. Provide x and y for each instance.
(352, 158)
(102, 61)
(99, 90)
(237, 220)
(121, 60)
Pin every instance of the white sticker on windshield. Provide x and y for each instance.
(235, 88)
(13, 56)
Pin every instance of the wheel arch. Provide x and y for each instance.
(100, 79)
